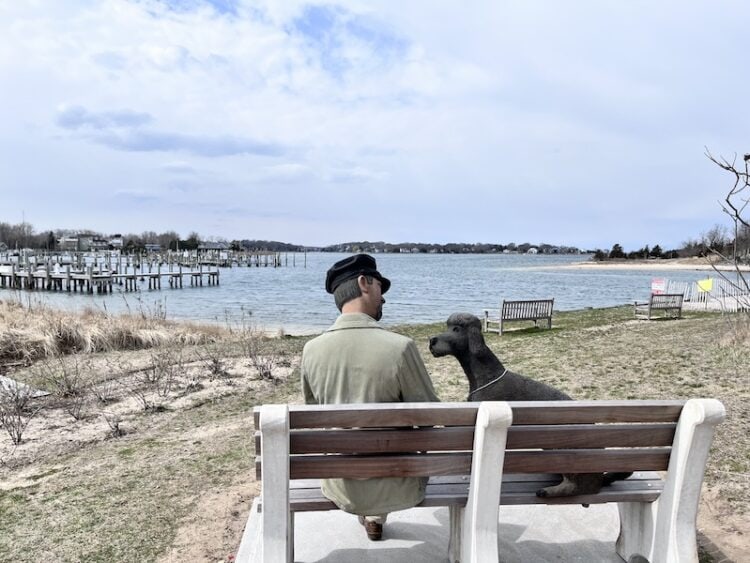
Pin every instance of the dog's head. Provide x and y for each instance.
(464, 336)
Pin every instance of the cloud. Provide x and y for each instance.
(562, 120)
(77, 117)
(354, 175)
(121, 130)
(136, 197)
(201, 145)
(179, 167)
(220, 6)
(344, 41)
(288, 173)
(110, 60)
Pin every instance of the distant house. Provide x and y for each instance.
(116, 242)
(99, 244)
(532, 250)
(152, 247)
(68, 243)
(207, 246)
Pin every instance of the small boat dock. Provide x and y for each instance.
(100, 279)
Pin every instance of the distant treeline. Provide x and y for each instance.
(23, 235)
(714, 241)
(450, 248)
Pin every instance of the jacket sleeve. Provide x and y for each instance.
(416, 385)
(307, 393)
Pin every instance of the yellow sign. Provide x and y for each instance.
(706, 285)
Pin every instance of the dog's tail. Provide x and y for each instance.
(610, 478)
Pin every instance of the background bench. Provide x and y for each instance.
(528, 310)
(668, 304)
(657, 514)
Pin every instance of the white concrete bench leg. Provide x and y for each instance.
(664, 531)
(478, 537)
(277, 525)
(250, 549)
(455, 519)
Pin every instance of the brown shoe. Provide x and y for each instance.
(373, 529)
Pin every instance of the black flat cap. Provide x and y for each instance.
(352, 267)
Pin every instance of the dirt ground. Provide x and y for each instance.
(189, 458)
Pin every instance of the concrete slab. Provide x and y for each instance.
(8, 384)
(420, 535)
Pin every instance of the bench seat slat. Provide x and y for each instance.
(636, 477)
(641, 487)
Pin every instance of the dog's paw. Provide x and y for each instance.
(541, 493)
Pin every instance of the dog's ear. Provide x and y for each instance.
(476, 340)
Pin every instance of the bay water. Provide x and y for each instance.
(426, 288)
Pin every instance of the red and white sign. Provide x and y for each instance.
(658, 285)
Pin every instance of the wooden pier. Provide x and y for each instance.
(96, 279)
(100, 272)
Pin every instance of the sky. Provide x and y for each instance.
(580, 123)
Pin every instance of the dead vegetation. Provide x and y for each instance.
(31, 331)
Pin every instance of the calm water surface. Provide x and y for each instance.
(426, 288)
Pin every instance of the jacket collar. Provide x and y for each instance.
(354, 320)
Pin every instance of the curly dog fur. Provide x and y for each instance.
(490, 381)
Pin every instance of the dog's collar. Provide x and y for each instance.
(490, 383)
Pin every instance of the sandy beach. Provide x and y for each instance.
(694, 264)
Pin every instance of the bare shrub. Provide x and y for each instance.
(104, 392)
(113, 420)
(69, 380)
(153, 384)
(167, 364)
(212, 357)
(260, 350)
(16, 409)
(142, 394)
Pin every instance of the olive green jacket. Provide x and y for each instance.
(357, 361)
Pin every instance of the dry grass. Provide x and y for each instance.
(30, 332)
(141, 496)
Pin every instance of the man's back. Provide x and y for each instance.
(356, 361)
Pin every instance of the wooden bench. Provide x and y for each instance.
(669, 304)
(462, 447)
(529, 310)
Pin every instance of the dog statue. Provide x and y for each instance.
(489, 380)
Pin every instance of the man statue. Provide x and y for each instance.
(358, 361)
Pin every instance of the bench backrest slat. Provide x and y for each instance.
(517, 461)
(365, 467)
(590, 412)
(587, 461)
(379, 440)
(380, 415)
(666, 300)
(461, 438)
(527, 309)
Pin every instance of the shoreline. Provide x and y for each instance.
(678, 264)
